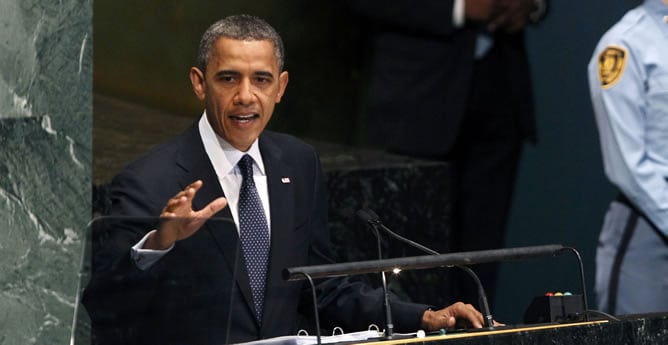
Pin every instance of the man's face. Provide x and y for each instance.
(241, 86)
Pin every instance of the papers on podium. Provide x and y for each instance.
(312, 339)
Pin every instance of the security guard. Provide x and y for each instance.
(628, 80)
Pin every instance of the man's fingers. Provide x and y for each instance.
(174, 204)
(167, 214)
(184, 196)
(212, 208)
(176, 200)
(190, 190)
(183, 220)
(197, 184)
(457, 315)
(450, 322)
(469, 314)
(475, 318)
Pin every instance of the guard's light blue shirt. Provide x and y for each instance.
(632, 110)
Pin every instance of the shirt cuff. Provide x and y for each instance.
(145, 258)
(458, 13)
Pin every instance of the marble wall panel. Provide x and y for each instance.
(45, 164)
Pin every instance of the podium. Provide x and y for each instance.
(650, 329)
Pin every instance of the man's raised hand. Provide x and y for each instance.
(178, 219)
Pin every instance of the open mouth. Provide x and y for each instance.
(244, 118)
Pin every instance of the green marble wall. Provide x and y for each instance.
(45, 164)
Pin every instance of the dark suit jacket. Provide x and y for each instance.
(421, 71)
(199, 292)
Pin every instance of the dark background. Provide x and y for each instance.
(143, 52)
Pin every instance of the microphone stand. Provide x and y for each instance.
(372, 219)
(389, 325)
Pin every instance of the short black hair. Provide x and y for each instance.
(240, 27)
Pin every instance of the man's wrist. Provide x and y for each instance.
(143, 257)
(153, 242)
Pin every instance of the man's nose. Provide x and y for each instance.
(244, 93)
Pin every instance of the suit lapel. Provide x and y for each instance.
(197, 166)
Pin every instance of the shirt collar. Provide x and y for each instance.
(223, 153)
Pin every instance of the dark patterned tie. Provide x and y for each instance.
(254, 233)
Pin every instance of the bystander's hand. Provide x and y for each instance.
(511, 15)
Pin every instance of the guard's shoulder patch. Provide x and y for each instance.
(611, 63)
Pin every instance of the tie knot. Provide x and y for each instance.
(246, 166)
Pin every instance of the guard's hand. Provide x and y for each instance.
(179, 221)
(480, 10)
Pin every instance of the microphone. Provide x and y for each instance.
(372, 219)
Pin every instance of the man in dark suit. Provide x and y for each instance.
(193, 280)
(450, 81)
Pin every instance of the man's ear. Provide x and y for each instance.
(283, 82)
(198, 82)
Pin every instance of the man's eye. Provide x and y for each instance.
(227, 78)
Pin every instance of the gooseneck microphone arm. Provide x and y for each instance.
(372, 219)
(582, 281)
